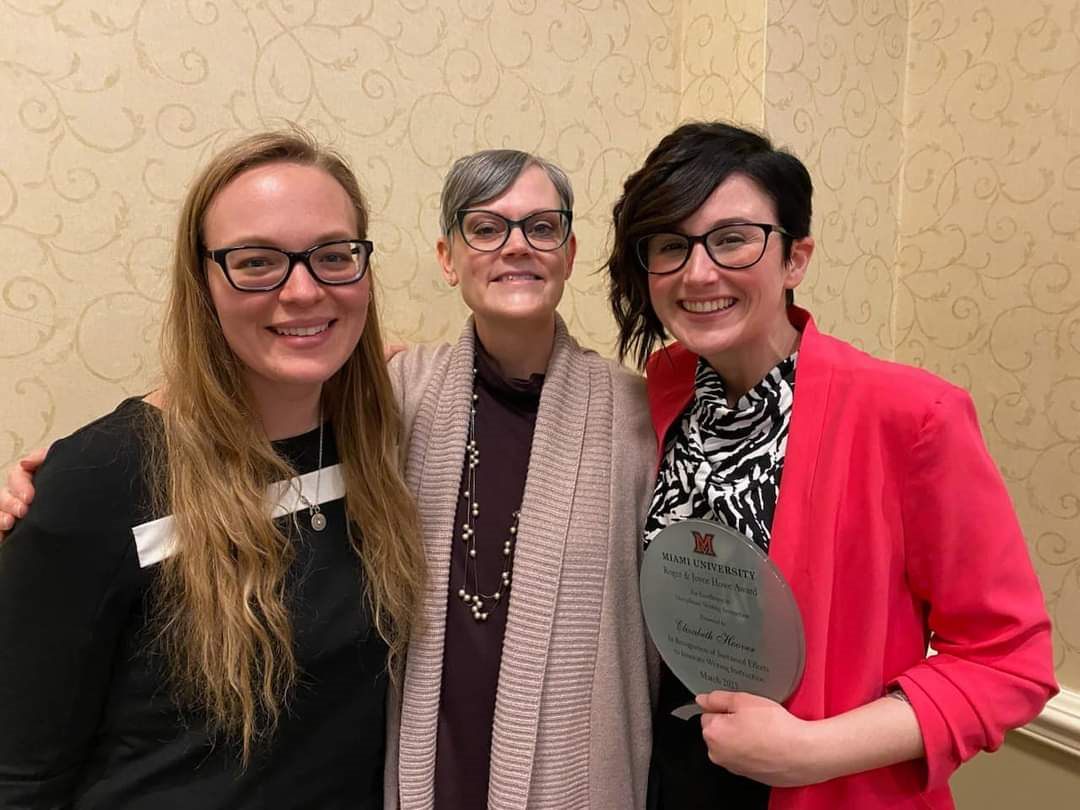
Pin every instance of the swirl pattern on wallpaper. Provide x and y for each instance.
(115, 105)
(988, 278)
(834, 78)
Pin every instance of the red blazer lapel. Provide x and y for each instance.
(795, 507)
(802, 544)
(670, 373)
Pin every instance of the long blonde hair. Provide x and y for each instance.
(220, 611)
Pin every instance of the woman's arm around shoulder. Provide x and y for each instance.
(18, 490)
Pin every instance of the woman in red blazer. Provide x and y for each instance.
(866, 482)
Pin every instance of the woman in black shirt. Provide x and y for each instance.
(195, 614)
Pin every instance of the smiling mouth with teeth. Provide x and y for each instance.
(708, 306)
(300, 331)
(519, 277)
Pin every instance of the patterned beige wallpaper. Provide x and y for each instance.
(834, 82)
(721, 57)
(988, 278)
(943, 139)
(111, 107)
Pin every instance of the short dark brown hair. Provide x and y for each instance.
(678, 176)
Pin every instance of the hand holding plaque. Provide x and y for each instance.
(720, 613)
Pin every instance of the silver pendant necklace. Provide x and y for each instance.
(315, 514)
(469, 591)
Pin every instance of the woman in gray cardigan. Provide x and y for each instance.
(527, 684)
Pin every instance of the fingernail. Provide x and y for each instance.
(20, 510)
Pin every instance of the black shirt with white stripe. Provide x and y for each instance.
(86, 716)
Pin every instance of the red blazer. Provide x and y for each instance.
(893, 527)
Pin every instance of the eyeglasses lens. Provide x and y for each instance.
(262, 267)
(544, 230)
(734, 246)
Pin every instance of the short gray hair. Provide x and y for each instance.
(484, 175)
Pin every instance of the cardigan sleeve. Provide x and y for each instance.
(968, 563)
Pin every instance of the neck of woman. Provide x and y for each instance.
(744, 367)
(286, 410)
(520, 348)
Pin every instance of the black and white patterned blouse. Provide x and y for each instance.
(724, 463)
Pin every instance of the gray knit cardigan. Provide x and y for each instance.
(572, 726)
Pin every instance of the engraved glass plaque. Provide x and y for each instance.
(720, 613)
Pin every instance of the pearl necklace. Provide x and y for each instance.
(474, 599)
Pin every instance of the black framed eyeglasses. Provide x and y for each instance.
(734, 247)
(488, 231)
(260, 268)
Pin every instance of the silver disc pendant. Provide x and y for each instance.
(318, 521)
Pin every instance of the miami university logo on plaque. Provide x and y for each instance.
(703, 544)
